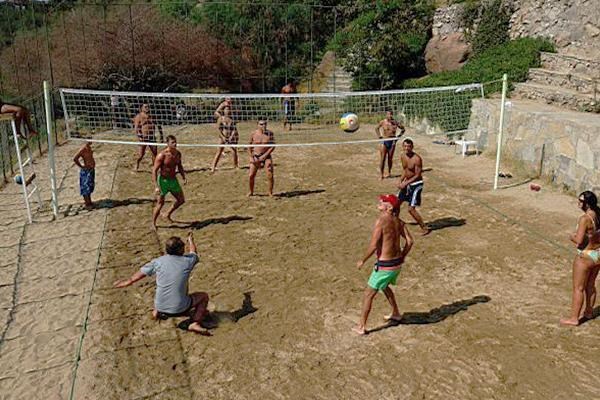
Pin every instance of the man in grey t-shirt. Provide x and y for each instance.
(172, 274)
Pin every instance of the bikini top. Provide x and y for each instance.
(596, 228)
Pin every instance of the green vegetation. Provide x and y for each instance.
(385, 39)
(493, 26)
(514, 58)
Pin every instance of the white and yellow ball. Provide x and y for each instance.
(349, 122)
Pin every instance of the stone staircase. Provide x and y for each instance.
(328, 77)
(564, 80)
(338, 81)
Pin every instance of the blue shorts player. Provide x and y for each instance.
(411, 182)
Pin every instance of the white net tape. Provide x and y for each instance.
(107, 116)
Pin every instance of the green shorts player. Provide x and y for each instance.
(164, 177)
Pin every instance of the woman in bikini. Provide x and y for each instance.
(228, 134)
(587, 262)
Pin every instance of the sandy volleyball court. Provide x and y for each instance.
(481, 295)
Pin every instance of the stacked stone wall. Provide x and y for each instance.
(564, 146)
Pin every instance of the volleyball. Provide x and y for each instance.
(349, 122)
(18, 179)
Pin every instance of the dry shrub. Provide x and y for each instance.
(122, 49)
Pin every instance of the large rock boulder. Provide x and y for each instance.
(446, 52)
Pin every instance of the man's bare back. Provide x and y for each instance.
(392, 229)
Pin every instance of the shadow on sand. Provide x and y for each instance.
(446, 222)
(75, 209)
(247, 308)
(206, 222)
(298, 193)
(595, 315)
(434, 315)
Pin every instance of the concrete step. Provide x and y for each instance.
(560, 97)
(564, 80)
(571, 63)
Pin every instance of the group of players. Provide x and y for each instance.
(174, 268)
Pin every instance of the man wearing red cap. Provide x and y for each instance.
(385, 240)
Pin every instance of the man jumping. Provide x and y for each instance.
(164, 178)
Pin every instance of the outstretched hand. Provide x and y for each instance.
(121, 283)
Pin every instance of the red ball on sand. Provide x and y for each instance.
(535, 187)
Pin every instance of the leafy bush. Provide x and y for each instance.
(385, 39)
(514, 58)
(493, 26)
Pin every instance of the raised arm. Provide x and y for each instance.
(191, 243)
(375, 238)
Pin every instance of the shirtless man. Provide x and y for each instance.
(84, 159)
(387, 129)
(167, 163)
(20, 114)
(144, 125)
(411, 182)
(385, 241)
(228, 134)
(261, 156)
(225, 103)
(289, 104)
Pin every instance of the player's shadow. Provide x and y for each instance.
(434, 315)
(446, 222)
(595, 314)
(204, 223)
(245, 309)
(201, 169)
(298, 193)
(75, 209)
(111, 203)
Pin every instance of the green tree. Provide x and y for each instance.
(493, 26)
(384, 39)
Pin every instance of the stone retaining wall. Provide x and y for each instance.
(564, 144)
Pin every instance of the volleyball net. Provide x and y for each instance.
(107, 116)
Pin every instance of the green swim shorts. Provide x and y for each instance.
(379, 280)
(167, 185)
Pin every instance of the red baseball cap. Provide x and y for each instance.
(390, 198)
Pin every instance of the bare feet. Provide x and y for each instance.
(154, 228)
(392, 318)
(569, 321)
(166, 217)
(250, 194)
(359, 330)
(196, 328)
(426, 231)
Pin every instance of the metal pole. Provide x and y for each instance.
(51, 163)
(500, 129)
